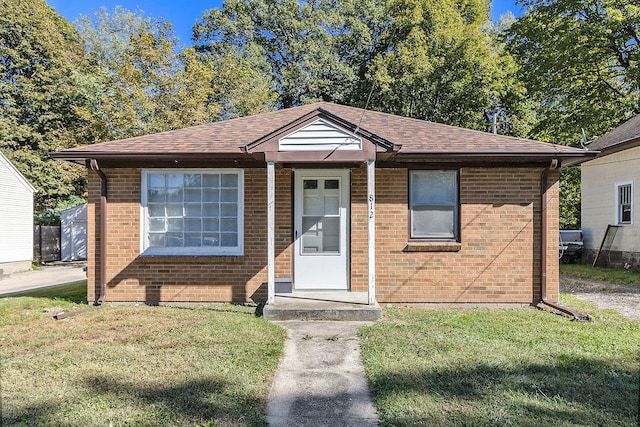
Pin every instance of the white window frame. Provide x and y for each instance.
(618, 202)
(190, 251)
(456, 209)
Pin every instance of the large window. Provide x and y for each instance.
(192, 212)
(625, 202)
(433, 204)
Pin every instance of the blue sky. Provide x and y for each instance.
(183, 14)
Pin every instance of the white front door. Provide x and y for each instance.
(321, 222)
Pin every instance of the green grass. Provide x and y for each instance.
(134, 366)
(611, 275)
(522, 367)
(74, 292)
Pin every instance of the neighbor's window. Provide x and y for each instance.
(192, 212)
(433, 204)
(625, 200)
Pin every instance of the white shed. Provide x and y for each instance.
(73, 233)
(16, 219)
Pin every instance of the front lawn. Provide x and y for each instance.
(521, 367)
(611, 275)
(135, 366)
(74, 292)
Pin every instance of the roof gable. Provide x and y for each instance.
(13, 171)
(319, 135)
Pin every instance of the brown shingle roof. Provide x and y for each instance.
(624, 136)
(227, 138)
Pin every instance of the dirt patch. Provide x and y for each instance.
(623, 298)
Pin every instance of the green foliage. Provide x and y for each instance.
(413, 57)
(434, 60)
(295, 45)
(580, 63)
(440, 61)
(145, 85)
(42, 107)
(150, 85)
(570, 209)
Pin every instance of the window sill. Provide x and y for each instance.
(191, 259)
(433, 247)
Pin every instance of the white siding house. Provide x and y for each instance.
(610, 197)
(16, 219)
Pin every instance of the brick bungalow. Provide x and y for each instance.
(323, 197)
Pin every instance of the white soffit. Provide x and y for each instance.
(319, 136)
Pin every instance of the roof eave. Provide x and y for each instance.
(566, 159)
(114, 158)
(620, 146)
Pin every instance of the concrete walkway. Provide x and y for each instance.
(43, 277)
(320, 380)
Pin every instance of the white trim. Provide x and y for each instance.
(16, 172)
(271, 197)
(190, 251)
(617, 186)
(371, 229)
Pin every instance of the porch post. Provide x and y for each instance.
(371, 227)
(271, 196)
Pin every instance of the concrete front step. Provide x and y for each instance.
(345, 306)
(370, 314)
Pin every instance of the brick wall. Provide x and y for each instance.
(498, 260)
(132, 277)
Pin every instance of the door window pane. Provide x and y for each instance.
(331, 184)
(320, 216)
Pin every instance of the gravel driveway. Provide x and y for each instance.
(624, 298)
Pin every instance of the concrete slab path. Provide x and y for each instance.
(43, 277)
(321, 380)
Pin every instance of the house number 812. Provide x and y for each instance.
(370, 205)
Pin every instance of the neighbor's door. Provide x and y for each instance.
(321, 221)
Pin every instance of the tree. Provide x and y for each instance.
(44, 105)
(580, 60)
(441, 61)
(150, 85)
(580, 63)
(146, 85)
(294, 44)
(434, 60)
